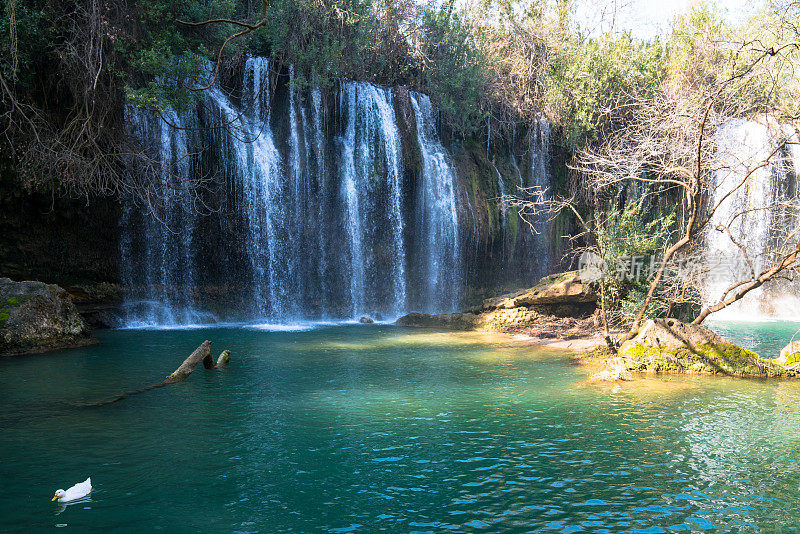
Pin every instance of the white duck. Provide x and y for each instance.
(78, 491)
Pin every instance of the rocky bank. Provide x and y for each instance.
(556, 298)
(561, 311)
(670, 346)
(37, 317)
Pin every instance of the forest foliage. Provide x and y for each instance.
(487, 64)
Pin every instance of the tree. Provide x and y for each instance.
(672, 145)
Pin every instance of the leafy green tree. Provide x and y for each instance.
(452, 71)
(593, 82)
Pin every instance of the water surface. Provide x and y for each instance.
(378, 428)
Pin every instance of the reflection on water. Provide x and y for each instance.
(61, 507)
(363, 429)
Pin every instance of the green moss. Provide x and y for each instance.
(723, 358)
(7, 304)
(600, 352)
(792, 359)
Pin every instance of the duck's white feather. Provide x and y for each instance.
(78, 491)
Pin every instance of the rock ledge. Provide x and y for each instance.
(557, 295)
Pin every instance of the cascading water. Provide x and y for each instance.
(760, 210)
(320, 185)
(540, 179)
(312, 214)
(160, 269)
(305, 224)
(540, 155)
(371, 189)
(251, 162)
(437, 216)
(503, 204)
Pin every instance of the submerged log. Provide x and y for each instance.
(200, 354)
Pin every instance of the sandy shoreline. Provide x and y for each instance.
(575, 345)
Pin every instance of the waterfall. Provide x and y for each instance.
(760, 210)
(540, 179)
(320, 188)
(503, 200)
(437, 216)
(517, 170)
(371, 189)
(164, 271)
(540, 155)
(308, 221)
(503, 205)
(306, 211)
(247, 150)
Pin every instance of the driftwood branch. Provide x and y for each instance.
(201, 354)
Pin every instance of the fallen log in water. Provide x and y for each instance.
(200, 354)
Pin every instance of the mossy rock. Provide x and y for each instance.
(453, 321)
(35, 317)
(7, 305)
(505, 319)
(670, 346)
(721, 358)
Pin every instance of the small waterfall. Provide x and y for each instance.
(540, 155)
(759, 214)
(371, 189)
(540, 179)
(437, 216)
(163, 270)
(517, 170)
(503, 200)
(503, 204)
(320, 187)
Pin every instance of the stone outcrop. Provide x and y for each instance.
(670, 346)
(560, 295)
(564, 293)
(790, 355)
(37, 317)
(99, 303)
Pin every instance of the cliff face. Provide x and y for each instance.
(57, 240)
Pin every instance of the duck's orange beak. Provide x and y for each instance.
(54, 498)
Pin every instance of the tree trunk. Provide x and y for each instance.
(200, 354)
(224, 358)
